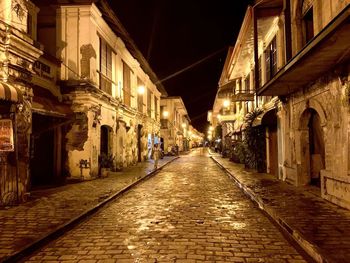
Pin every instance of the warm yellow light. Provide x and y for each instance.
(211, 128)
(141, 90)
(226, 103)
(184, 125)
(165, 114)
(219, 116)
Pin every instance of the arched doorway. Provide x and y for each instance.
(269, 120)
(105, 140)
(312, 147)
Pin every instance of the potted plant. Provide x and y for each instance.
(106, 162)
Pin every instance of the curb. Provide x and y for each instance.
(65, 227)
(312, 250)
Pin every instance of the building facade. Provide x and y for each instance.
(76, 95)
(18, 52)
(175, 124)
(294, 56)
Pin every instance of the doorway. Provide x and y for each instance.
(312, 147)
(269, 120)
(46, 152)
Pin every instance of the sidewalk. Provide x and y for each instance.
(50, 212)
(319, 227)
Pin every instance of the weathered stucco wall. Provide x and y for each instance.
(329, 97)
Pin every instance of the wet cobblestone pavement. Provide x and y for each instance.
(320, 227)
(48, 209)
(189, 212)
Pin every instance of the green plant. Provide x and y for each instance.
(254, 142)
(106, 161)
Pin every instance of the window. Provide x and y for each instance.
(139, 97)
(271, 59)
(149, 103)
(247, 83)
(308, 21)
(259, 76)
(155, 108)
(126, 84)
(29, 24)
(105, 67)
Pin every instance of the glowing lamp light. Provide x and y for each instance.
(165, 114)
(226, 103)
(141, 90)
(184, 125)
(211, 128)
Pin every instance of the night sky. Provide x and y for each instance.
(174, 34)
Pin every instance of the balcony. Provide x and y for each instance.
(330, 47)
(226, 90)
(243, 95)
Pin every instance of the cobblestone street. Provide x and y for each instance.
(189, 212)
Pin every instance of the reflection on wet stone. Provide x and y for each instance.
(179, 215)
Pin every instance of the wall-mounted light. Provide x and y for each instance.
(141, 90)
(165, 114)
(226, 103)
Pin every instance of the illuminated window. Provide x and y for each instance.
(126, 84)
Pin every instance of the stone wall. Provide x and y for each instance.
(329, 97)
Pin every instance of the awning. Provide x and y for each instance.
(49, 107)
(10, 92)
(267, 118)
(227, 89)
(327, 49)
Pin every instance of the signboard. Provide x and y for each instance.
(6, 136)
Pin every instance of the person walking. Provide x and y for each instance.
(156, 155)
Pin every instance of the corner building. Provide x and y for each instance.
(100, 75)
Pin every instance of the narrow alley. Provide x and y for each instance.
(189, 212)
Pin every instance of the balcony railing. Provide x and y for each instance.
(243, 95)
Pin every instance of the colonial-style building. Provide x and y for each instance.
(18, 52)
(293, 56)
(112, 90)
(174, 123)
(83, 99)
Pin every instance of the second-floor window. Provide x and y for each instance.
(29, 24)
(139, 97)
(271, 59)
(126, 84)
(259, 72)
(156, 108)
(247, 83)
(308, 20)
(149, 103)
(105, 67)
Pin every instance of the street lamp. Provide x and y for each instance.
(226, 103)
(165, 114)
(141, 90)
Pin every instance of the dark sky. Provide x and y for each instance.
(174, 34)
